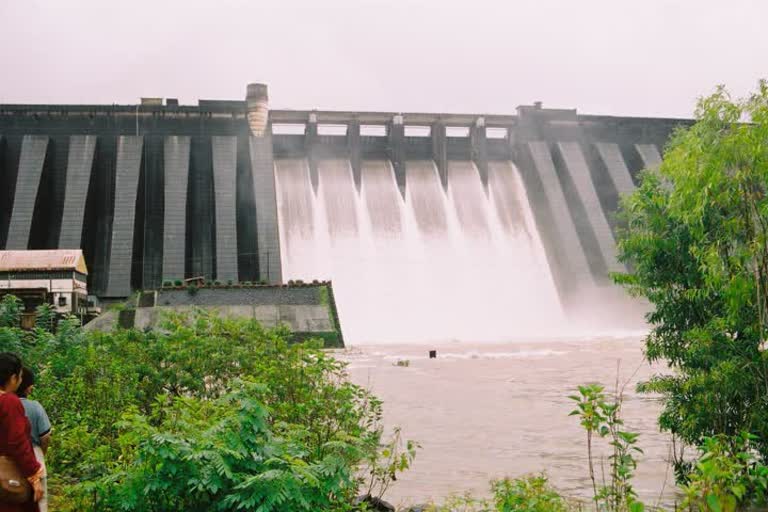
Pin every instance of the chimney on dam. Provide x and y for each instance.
(257, 104)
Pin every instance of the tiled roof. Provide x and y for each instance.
(69, 259)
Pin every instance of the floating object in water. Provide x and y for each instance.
(433, 354)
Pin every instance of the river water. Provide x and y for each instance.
(485, 411)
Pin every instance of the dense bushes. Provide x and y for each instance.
(204, 414)
(223, 454)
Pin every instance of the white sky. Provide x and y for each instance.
(639, 57)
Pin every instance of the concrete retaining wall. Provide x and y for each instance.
(307, 319)
(308, 311)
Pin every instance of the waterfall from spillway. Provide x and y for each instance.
(463, 265)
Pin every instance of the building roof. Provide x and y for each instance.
(65, 259)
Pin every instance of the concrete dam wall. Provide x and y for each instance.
(156, 192)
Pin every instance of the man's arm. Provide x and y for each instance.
(43, 426)
(45, 441)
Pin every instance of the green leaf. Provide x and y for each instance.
(713, 503)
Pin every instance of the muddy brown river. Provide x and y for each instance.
(487, 411)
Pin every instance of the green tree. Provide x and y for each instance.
(695, 237)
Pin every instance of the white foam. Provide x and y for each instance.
(433, 268)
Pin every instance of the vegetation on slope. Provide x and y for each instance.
(203, 414)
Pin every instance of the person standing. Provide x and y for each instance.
(41, 429)
(15, 440)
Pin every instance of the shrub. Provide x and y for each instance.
(527, 494)
(45, 317)
(727, 476)
(225, 454)
(133, 408)
(167, 284)
(178, 282)
(10, 311)
(600, 415)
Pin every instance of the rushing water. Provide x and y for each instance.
(462, 270)
(463, 265)
(485, 411)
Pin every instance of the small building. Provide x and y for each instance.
(55, 277)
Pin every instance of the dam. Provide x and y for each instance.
(431, 226)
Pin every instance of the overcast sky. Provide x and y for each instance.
(621, 57)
